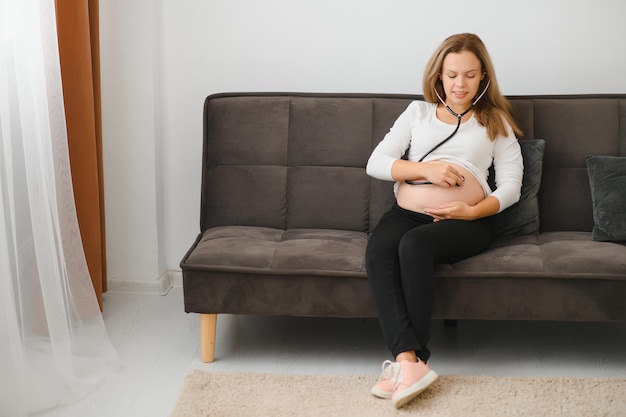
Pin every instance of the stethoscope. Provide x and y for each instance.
(458, 125)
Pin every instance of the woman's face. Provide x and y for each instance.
(461, 74)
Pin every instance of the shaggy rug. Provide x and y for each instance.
(207, 394)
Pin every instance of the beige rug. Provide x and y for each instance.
(207, 394)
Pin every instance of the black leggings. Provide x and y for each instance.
(400, 259)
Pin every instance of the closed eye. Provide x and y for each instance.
(470, 74)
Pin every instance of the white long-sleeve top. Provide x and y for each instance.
(419, 130)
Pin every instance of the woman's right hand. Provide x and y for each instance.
(437, 172)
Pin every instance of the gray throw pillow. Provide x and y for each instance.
(522, 218)
(607, 180)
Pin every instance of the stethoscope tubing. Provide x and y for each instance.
(458, 125)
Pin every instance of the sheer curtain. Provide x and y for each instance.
(54, 348)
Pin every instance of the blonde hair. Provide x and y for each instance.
(493, 110)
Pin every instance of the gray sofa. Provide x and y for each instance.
(286, 210)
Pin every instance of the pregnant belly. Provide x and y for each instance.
(418, 197)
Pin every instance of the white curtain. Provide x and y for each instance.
(54, 348)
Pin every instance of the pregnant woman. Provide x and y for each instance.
(438, 152)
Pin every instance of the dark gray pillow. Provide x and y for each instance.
(607, 179)
(522, 218)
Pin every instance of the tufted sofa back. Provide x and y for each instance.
(296, 160)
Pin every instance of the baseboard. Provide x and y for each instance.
(160, 286)
(176, 278)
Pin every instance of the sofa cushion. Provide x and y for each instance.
(523, 217)
(607, 180)
(249, 248)
(553, 255)
(258, 251)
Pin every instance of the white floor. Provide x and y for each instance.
(159, 344)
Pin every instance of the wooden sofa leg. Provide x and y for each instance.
(208, 324)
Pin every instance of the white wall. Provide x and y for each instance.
(160, 59)
(131, 140)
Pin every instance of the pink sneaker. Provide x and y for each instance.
(413, 378)
(385, 386)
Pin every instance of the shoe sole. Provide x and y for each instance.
(381, 394)
(402, 398)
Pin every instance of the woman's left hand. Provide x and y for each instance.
(453, 210)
